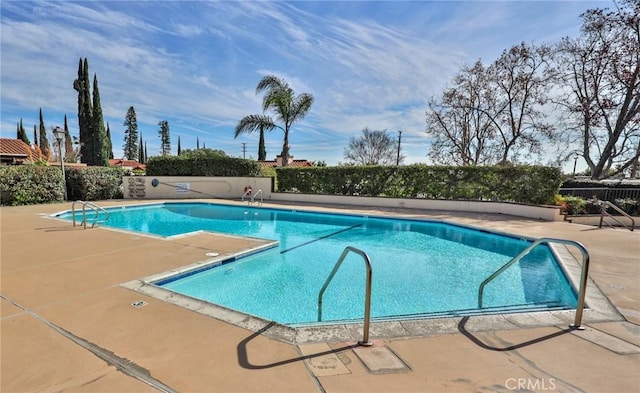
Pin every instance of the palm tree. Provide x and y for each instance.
(280, 99)
(251, 123)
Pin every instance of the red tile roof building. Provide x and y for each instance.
(278, 163)
(15, 151)
(128, 164)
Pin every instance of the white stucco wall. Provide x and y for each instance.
(547, 213)
(177, 187)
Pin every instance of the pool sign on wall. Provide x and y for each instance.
(136, 187)
(183, 188)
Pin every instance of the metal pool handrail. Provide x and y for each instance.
(603, 211)
(247, 192)
(253, 197)
(583, 277)
(367, 299)
(97, 209)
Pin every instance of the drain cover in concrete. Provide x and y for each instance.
(380, 360)
(326, 363)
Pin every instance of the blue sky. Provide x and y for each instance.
(196, 64)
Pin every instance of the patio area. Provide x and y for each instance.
(68, 323)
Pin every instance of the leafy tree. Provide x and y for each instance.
(165, 138)
(130, 147)
(202, 153)
(371, 148)
(280, 99)
(494, 113)
(22, 134)
(601, 69)
(44, 141)
(460, 133)
(522, 76)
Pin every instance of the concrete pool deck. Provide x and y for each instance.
(68, 324)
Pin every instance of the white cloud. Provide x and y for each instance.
(196, 64)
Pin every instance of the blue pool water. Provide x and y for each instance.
(420, 268)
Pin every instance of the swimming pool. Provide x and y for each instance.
(420, 268)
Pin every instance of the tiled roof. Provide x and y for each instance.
(128, 163)
(13, 147)
(294, 163)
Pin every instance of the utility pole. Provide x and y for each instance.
(399, 141)
(244, 150)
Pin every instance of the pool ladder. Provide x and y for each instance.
(367, 299)
(94, 208)
(583, 276)
(253, 196)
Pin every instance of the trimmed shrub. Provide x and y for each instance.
(33, 184)
(523, 184)
(94, 183)
(201, 166)
(575, 205)
(30, 184)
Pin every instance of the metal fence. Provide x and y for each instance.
(602, 193)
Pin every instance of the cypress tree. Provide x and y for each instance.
(141, 157)
(99, 134)
(81, 85)
(68, 143)
(145, 151)
(131, 135)
(262, 150)
(179, 149)
(44, 141)
(165, 138)
(35, 136)
(22, 134)
(197, 143)
(109, 143)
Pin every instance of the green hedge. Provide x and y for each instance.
(94, 183)
(30, 184)
(201, 166)
(523, 184)
(33, 184)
